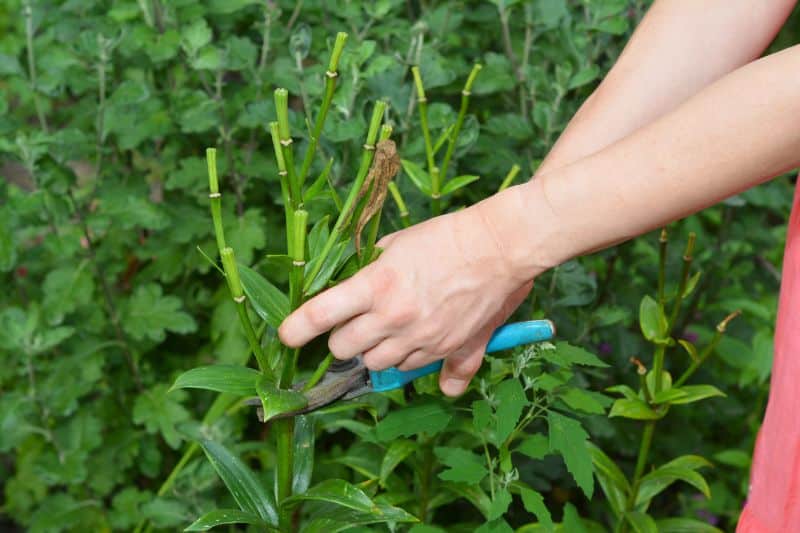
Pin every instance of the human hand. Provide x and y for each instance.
(438, 291)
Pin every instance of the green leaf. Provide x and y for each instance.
(582, 400)
(303, 453)
(220, 517)
(65, 289)
(457, 183)
(625, 391)
(690, 349)
(685, 525)
(534, 503)
(568, 437)
(681, 469)
(535, 446)
(148, 314)
(160, 412)
(396, 453)
(584, 76)
(691, 284)
(502, 499)
(275, 401)
(566, 355)
(572, 522)
(611, 479)
(233, 379)
(694, 393)
(733, 457)
(418, 176)
(633, 408)
(463, 465)
(337, 492)
(249, 493)
(641, 522)
(430, 418)
(652, 319)
(511, 400)
(195, 36)
(267, 300)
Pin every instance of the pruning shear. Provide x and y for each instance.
(345, 380)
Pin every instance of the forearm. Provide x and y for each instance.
(736, 133)
(680, 47)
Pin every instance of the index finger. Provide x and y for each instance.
(338, 304)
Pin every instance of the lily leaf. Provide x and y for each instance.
(251, 496)
(277, 401)
(418, 176)
(457, 183)
(233, 379)
(269, 302)
(220, 517)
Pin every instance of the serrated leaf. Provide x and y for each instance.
(419, 177)
(582, 400)
(160, 412)
(566, 354)
(635, 409)
(268, 301)
(568, 437)
(219, 517)
(246, 489)
(463, 465)
(534, 503)
(148, 314)
(457, 183)
(430, 418)
(511, 400)
(535, 446)
(502, 499)
(652, 320)
(233, 379)
(641, 522)
(275, 401)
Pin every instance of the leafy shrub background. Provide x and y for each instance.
(105, 113)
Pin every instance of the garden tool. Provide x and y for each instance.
(345, 380)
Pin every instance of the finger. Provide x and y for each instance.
(350, 298)
(386, 240)
(386, 354)
(458, 370)
(357, 336)
(414, 360)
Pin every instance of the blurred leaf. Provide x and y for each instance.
(395, 454)
(148, 314)
(611, 479)
(420, 178)
(633, 408)
(685, 525)
(652, 319)
(303, 453)
(502, 499)
(457, 183)
(641, 522)
(160, 412)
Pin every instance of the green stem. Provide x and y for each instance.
(297, 251)
(658, 367)
(662, 264)
(423, 117)
(284, 429)
(375, 222)
(330, 86)
(641, 463)
(462, 112)
(283, 176)
(285, 141)
(344, 214)
(237, 293)
(28, 12)
(721, 327)
(687, 264)
(215, 198)
(401, 204)
(509, 179)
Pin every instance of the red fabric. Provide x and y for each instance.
(773, 504)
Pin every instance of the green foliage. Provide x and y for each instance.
(105, 111)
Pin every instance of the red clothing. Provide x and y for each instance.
(773, 505)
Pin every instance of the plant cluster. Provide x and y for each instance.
(121, 294)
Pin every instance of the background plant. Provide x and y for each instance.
(106, 112)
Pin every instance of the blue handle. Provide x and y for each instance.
(504, 337)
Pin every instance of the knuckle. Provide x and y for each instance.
(383, 279)
(402, 313)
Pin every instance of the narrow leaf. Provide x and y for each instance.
(685, 525)
(233, 379)
(220, 517)
(268, 301)
(694, 393)
(337, 492)
(418, 176)
(242, 483)
(611, 479)
(398, 450)
(457, 183)
(303, 453)
(641, 522)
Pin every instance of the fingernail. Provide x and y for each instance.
(454, 386)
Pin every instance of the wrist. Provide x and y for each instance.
(525, 228)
